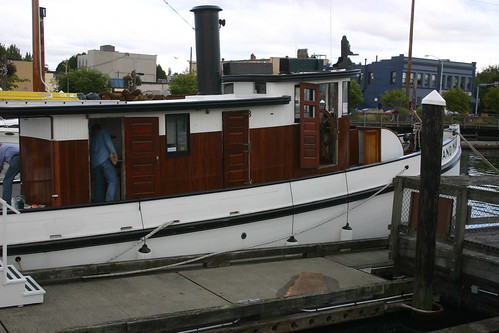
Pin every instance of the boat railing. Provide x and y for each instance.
(5, 206)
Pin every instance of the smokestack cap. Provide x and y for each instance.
(206, 7)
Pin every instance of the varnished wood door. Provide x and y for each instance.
(237, 148)
(309, 126)
(142, 158)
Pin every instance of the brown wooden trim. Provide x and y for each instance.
(201, 170)
(309, 127)
(71, 172)
(372, 146)
(236, 148)
(142, 157)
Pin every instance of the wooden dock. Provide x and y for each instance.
(467, 245)
(286, 289)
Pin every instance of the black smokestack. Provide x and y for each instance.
(208, 49)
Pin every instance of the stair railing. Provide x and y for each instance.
(5, 205)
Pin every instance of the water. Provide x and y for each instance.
(404, 322)
(473, 165)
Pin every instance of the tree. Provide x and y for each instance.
(488, 75)
(72, 64)
(160, 73)
(85, 80)
(457, 101)
(356, 96)
(128, 81)
(185, 83)
(13, 53)
(395, 98)
(491, 100)
(8, 76)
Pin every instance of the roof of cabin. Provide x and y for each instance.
(26, 109)
(302, 76)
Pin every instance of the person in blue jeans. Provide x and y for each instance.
(103, 158)
(9, 154)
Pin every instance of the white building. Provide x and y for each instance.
(118, 64)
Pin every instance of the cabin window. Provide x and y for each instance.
(260, 87)
(228, 88)
(177, 134)
(329, 123)
(345, 96)
(309, 96)
(297, 104)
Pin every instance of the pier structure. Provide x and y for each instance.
(285, 289)
(466, 269)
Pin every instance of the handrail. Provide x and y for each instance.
(5, 205)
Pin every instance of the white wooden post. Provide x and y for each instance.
(4, 240)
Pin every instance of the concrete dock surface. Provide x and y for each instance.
(111, 304)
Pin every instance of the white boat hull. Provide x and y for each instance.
(314, 210)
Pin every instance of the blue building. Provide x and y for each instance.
(426, 75)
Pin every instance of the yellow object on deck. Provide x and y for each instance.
(33, 95)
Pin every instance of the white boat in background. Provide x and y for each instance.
(249, 162)
(9, 131)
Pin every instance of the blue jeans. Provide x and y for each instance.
(105, 182)
(10, 174)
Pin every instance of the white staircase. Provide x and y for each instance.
(17, 289)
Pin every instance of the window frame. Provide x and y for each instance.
(186, 134)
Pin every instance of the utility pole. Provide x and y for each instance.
(431, 152)
(409, 59)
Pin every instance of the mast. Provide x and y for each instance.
(38, 46)
(409, 59)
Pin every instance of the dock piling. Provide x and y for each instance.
(431, 152)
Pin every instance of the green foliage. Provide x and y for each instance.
(457, 101)
(72, 64)
(160, 73)
(185, 83)
(128, 82)
(13, 53)
(488, 75)
(85, 80)
(356, 96)
(395, 98)
(8, 76)
(491, 100)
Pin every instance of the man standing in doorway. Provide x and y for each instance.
(9, 154)
(103, 158)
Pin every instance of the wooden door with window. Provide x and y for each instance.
(237, 148)
(309, 125)
(142, 158)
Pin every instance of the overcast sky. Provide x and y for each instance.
(459, 30)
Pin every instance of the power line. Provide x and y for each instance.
(487, 3)
(179, 14)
